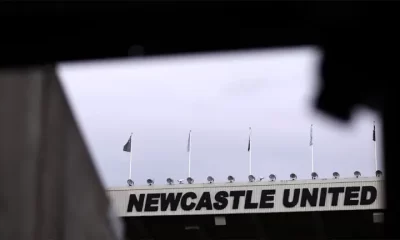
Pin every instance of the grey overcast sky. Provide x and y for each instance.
(218, 97)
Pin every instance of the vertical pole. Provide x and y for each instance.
(374, 139)
(376, 158)
(312, 158)
(312, 148)
(190, 152)
(130, 161)
(189, 162)
(250, 162)
(250, 151)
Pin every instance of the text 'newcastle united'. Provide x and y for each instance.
(298, 197)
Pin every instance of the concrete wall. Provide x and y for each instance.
(49, 188)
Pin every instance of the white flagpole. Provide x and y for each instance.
(312, 158)
(312, 148)
(130, 160)
(375, 155)
(190, 151)
(376, 159)
(250, 151)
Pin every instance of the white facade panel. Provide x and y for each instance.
(199, 199)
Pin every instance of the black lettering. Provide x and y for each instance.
(295, 200)
(236, 198)
(248, 204)
(335, 194)
(364, 194)
(266, 197)
(307, 196)
(221, 200)
(205, 201)
(322, 197)
(170, 199)
(138, 203)
(350, 194)
(151, 200)
(184, 205)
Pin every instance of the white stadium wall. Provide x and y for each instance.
(256, 197)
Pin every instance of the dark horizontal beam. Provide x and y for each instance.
(61, 31)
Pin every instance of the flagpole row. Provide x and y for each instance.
(128, 148)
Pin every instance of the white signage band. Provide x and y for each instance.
(233, 198)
